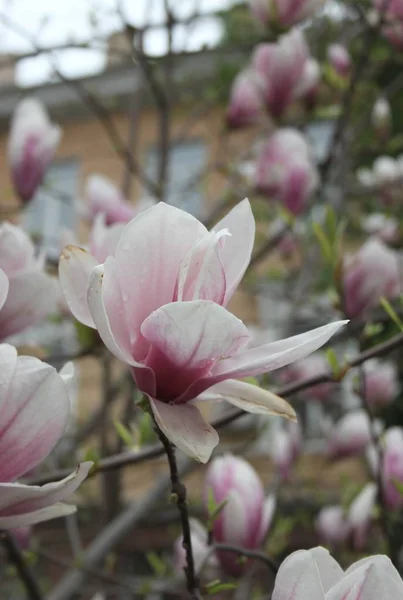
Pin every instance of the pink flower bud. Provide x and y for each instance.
(340, 59)
(105, 198)
(286, 446)
(351, 434)
(246, 101)
(360, 515)
(284, 12)
(201, 549)
(392, 467)
(332, 526)
(32, 144)
(371, 273)
(285, 170)
(381, 383)
(246, 517)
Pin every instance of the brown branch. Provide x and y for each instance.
(255, 554)
(24, 572)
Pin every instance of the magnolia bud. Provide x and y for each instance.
(392, 468)
(340, 59)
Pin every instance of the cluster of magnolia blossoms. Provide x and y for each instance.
(315, 575)
(34, 412)
(279, 74)
(158, 304)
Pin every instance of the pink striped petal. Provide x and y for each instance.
(75, 266)
(236, 250)
(148, 258)
(22, 505)
(371, 581)
(31, 297)
(269, 357)
(185, 427)
(34, 409)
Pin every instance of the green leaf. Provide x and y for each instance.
(251, 380)
(331, 224)
(323, 242)
(217, 586)
(213, 508)
(157, 564)
(124, 433)
(388, 308)
(398, 485)
(333, 362)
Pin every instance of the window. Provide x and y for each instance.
(53, 207)
(187, 161)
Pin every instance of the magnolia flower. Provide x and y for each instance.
(315, 575)
(381, 383)
(34, 413)
(284, 71)
(392, 467)
(246, 100)
(351, 434)
(390, 13)
(201, 549)
(246, 517)
(158, 305)
(32, 144)
(103, 197)
(284, 12)
(332, 525)
(27, 294)
(360, 514)
(285, 170)
(370, 274)
(340, 59)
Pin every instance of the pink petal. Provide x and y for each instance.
(96, 303)
(269, 509)
(22, 505)
(17, 251)
(4, 286)
(236, 250)
(306, 574)
(34, 409)
(32, 296)
(75, 266)
(370, 582)
(276, 354)
(148, 258)
(202, 276)
(185, 427)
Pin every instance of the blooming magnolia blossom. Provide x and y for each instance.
(246, 517)
(246, 100)
(158, 304)
(286, 171)
(340, 59)
(360, 514)
(315, 575)
(32, 143)
(370, 274)
(381, 383)
(332, 525)
(286, 71)
(390, 12)
(27, 294)
(284, 12)
(200, 547)
(392, 467)
(104, 197)
(351, 434)
(34, 411)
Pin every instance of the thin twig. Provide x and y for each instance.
(256, 554)
(17, 559)
(178, 490)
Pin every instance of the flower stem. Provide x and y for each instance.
(178, 491)
(17, 559)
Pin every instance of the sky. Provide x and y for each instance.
(48, 23)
